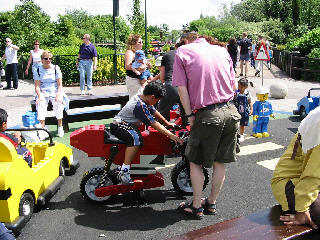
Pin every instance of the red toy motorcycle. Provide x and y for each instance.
(100, 183)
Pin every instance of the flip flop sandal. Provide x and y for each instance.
(196, 213)
(209, 208)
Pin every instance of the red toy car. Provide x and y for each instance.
(100, 183)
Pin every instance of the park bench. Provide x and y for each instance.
(78, 102)
(262, 225)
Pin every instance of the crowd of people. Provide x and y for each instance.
(199, 75)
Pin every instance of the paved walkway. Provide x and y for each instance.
(17, 102)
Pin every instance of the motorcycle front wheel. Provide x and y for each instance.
(180, 178)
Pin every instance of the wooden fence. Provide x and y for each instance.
(296, 66)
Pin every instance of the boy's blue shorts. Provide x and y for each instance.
(244, 121)
(128, 133)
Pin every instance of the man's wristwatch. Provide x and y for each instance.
(190, 115)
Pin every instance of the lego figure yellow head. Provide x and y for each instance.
(263, 94)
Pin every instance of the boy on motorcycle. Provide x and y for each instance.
(125, 124)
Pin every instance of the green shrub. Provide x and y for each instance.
(281, 47)
(315, 53)
(305, 43)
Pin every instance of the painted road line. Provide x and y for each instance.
(257, 148)
(166, 166)
(270, 164)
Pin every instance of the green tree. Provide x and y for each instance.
(248, 10)
(296, 12)
(28, 23)
(137, 18)
(4, 27)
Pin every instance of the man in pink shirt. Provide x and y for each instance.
(206, 82)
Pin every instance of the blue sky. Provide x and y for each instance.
(175, 13)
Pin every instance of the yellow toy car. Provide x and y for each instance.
(22, 187)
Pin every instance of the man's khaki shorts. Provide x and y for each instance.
(213, 135)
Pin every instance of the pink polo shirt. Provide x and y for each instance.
(206, 70)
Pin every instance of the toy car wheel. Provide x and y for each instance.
(90, 182)
(26, 206)
(302, 112)
(62, 169)
(180, 178)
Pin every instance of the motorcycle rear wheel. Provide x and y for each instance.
(90, 182)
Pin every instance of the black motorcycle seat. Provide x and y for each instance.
(111, 139)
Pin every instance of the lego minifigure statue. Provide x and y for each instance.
(262, 109)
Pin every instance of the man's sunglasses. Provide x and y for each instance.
(47, 59)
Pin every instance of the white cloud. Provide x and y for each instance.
(175, 13)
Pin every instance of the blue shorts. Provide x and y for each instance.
(244, 121)
(128, 133)
(244, 57)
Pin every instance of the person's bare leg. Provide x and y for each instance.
(130, 154)
(218, 176)
(42, 122)
(241, 66)
(59, 122)
(242, 130)
(246, 68)
(197, 180)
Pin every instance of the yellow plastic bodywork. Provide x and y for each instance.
(19, 177)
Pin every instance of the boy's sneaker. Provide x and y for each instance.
(90, 92)
(83, 92)
(241, 138)
(60, 131)
(124, 177)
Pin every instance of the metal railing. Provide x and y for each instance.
(70, 75)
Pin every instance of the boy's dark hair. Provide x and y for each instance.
(155, 88)
(3, 116)
(243, 82)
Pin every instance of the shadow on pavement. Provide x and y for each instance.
(122, 212)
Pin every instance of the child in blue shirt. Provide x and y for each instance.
(244, 105)
(139, 60)
(125, 124)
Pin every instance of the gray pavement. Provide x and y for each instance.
(17, 102)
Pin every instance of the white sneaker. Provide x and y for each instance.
(83, 92)
(124, 177)
(90, 92)
(241, 138)
(60, 131)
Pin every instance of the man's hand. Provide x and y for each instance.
(176, 139)
(300, 218)
(191, 120)
(171, 125)
(26, 72)
(94, 67)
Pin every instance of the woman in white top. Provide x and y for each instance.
(35, 57)
(48, 87)
(133, 82)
